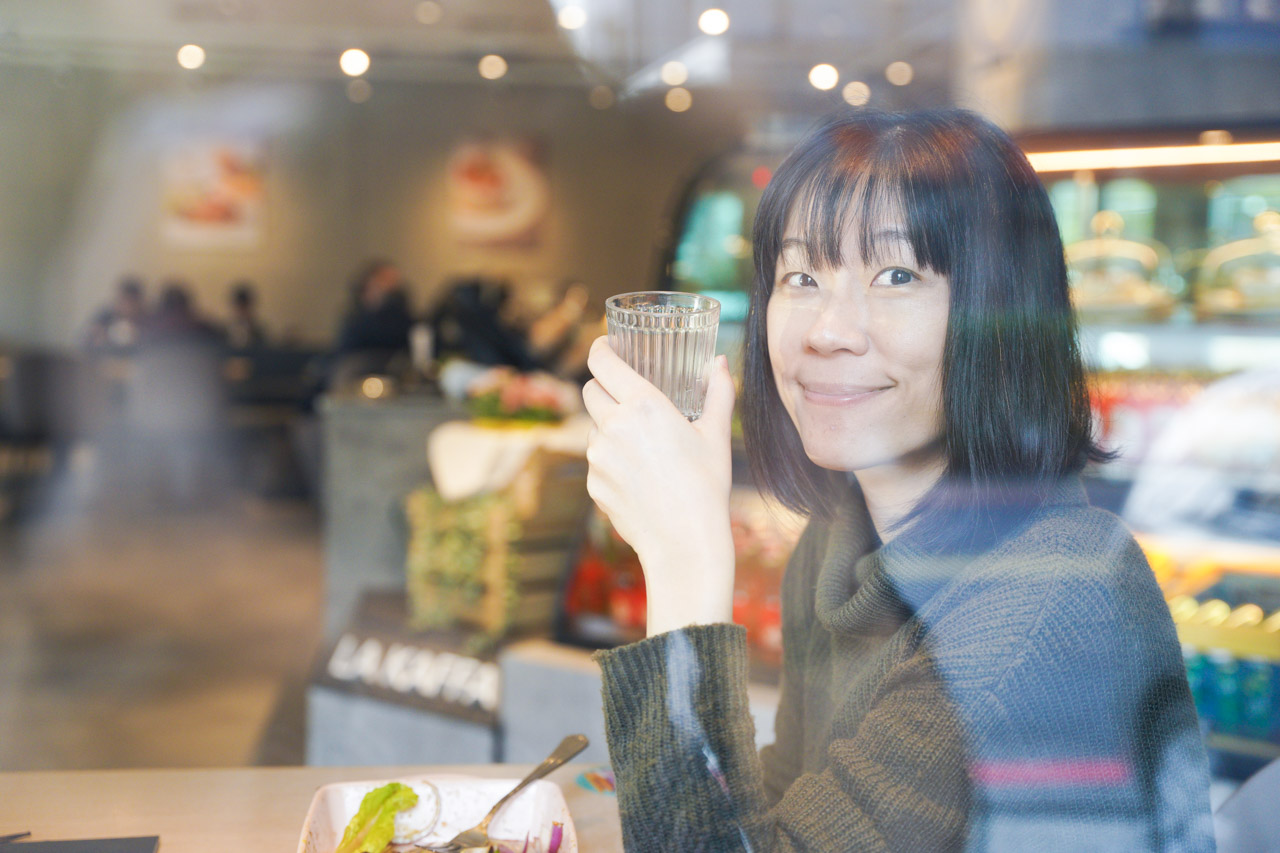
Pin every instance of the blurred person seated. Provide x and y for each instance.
(469, 323)
(177, 320)
(557, 335)
(176, 404)
(244, 330)
(119, 324)
(375, 330)
(478, 321)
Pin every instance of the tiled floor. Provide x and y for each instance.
(138, 636)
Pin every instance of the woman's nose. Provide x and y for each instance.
(839, 324)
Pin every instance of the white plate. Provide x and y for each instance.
(464, 801)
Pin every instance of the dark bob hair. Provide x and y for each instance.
(1014, 399)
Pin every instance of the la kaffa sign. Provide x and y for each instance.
(435, 677)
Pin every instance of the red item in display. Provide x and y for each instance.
(628, 604)
(590, 587)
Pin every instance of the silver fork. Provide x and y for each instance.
(478, 835)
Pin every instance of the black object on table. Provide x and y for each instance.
(141, 844)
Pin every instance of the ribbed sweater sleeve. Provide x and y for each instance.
(681, 740)
(682, 745)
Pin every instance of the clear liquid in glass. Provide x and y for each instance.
(669, 339)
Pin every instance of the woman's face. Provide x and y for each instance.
(857, 351)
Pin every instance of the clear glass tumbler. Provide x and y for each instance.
(668, 338)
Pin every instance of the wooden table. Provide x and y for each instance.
(239, 809)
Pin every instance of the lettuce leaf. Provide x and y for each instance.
(374, 825)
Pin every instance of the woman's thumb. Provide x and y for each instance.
(718, 408)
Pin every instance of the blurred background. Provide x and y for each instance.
(294, 301)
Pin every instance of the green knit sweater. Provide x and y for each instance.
(1029, 697)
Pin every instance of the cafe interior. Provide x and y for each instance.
(296, 298)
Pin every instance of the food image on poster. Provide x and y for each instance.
(212, 194)
(498, 193)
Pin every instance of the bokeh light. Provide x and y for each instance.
(899, 73)
(359, 90)
(353, 62)
(674, 73)
(679, 99)
(191, 56)
(824, 76)
(572, 17)
(428, 12)
(492, 66)
(856, 93)
(714, 22)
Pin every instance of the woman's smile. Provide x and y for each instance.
(837, 394)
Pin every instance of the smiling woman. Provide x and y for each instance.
(947, 204)
(974, 658)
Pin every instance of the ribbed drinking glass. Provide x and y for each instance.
(669, 339)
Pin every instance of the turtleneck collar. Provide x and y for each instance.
(865, 586)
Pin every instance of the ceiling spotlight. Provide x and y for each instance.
(899, 73)
(353, 62)
(1216, 137)
(856, 93)
(572, 17)
(713, 22)
(492, 66)
(428, 12)
(674, 73)
(191, 56)
(358, 90)
(824, 76)
(678, 99)
(601, 97)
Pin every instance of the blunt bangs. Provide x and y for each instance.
(1015, 404)
(865, 182)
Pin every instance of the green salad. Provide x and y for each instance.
(374, 825)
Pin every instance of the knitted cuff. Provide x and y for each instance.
(720, 651)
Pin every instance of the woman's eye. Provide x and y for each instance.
(799, 279)
(895, 277)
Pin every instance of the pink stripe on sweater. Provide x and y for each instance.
(1083, 771)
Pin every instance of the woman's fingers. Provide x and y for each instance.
(717, 410)
(596, 400)
(614, 374)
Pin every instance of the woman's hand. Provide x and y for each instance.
(664, 483)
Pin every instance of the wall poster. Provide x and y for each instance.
(212, 194)
(498, 192)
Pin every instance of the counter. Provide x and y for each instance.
(240, 809)
(375, 453)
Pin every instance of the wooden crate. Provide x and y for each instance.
(494, 562)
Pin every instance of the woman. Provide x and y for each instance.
(973, 657)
